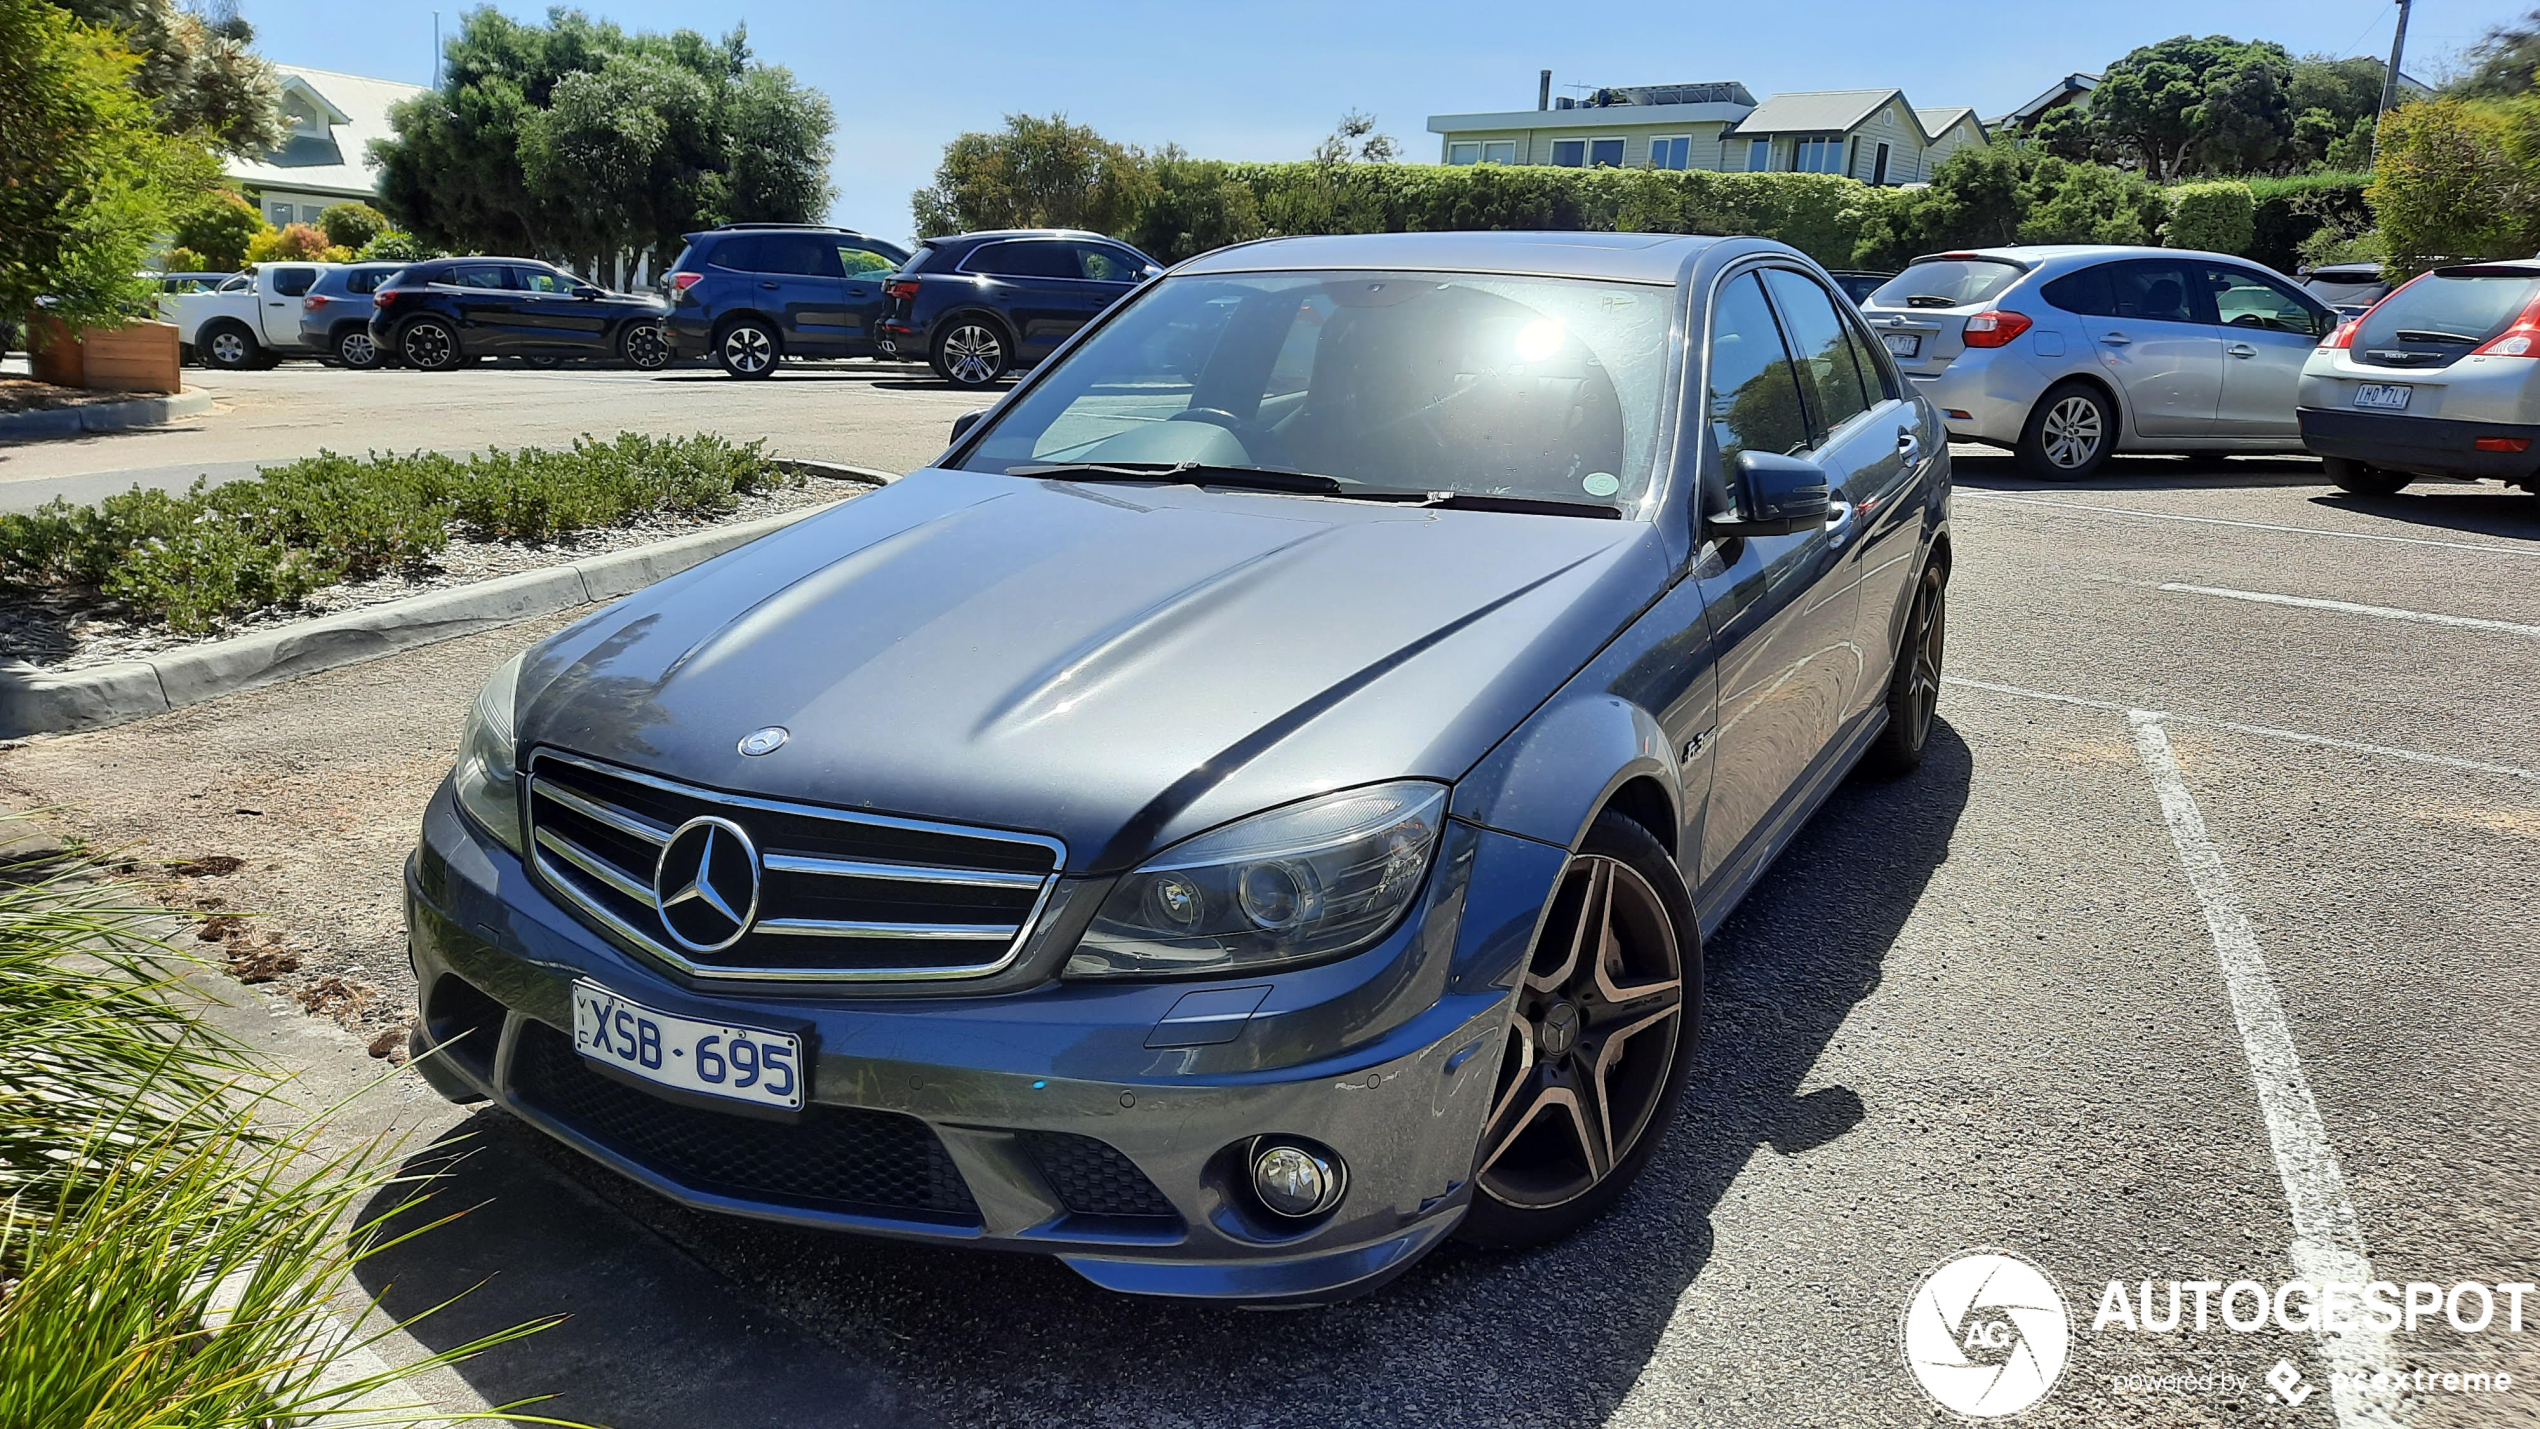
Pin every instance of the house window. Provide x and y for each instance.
(1817, 156)
(1463, 153)
(278, 214)
(1675, 152)
(1759, 155)
(1500, 151)
(1492, 151)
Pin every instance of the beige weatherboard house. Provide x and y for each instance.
(329, 121)
(1873, 135)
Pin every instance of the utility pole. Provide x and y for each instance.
(2390, 76)
(436, 49)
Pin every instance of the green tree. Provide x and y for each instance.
(88, 180)
(1355, 139)
(2455, 181)
(352, 225)
(1199, 204)
(576, 140)
(1038, 173)
(2188, 106)
(218, 228)
(2502, 64)
(2335, 103)
(197, 70)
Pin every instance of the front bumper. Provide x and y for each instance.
(1387, 1057)
(2434, 446)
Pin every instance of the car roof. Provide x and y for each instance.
(994, 235)
(2501, 268)
(1624, 257)
(2038, 255)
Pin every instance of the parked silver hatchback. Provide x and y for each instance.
(2066, 354)
(2441, 378)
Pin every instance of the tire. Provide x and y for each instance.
(644, 348)
(356, 350)
(1579, 1063)
(748, 348)
(2069, 434)
(228, 346)
(1913, 687)
(971, 352)
(428, 344)
(2357, 479)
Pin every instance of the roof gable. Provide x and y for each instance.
(1818, 111)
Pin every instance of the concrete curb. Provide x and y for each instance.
(34, 702)
(101, 417)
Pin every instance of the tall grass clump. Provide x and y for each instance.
(165, 1261)
(216, 553)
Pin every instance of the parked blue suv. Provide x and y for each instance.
(753, 294)
(978, 305)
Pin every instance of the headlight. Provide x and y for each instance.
(1311, 880)
(487, 779)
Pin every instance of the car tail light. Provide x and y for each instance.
(2343, 337)
(2503, 444)
(2520, 340)
(1995, 327)
(384, 297)
(902, 289)
(313, 302)
(682, 282)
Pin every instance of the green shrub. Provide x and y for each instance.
(2217, 217)
(2292, 210)
(352, 225)
(293, 243)
(213, 554)
(218, 229)
(397, 246)
(2447, 186)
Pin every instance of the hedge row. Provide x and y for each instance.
(2290, 210)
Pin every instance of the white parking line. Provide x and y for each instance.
(1963, 495)
(2292, 736)
(2327, 1243)
(2348, 607)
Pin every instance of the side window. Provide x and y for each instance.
(800, 254)
(479, 275)
(2243, 299)
(1105, 264)
(292, 282)
(543, 280)
(864, 262)
(740, 255)
(366, 280)
(2084, 293)
(1828, 377)
(1754, 391)
(1041, 258)
(2155, 290)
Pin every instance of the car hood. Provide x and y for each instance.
(1115, 666)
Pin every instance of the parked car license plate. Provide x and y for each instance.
(2382, 394)
(1903, 344)
(716, 1059)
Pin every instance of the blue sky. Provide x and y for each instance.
(1265, 82)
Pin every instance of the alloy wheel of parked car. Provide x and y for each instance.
(228, 347)
(747, 350)
(356, 350)
(2069, 435)
(970, 354)
(1595, 1057)
(2357, 479)
(1913, 689)
(428, 345)
(645, 348)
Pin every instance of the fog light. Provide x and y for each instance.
(1295, 1182)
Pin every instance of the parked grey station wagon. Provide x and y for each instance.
(1251, 809)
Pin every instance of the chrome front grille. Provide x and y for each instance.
(840, 896)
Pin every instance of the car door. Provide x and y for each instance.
(280, 287)
(1868, 437)
(1039, 286)
(486, 303)
(553, 320)
(810, 290)
(1110, 273)
(865, 268)
(2268, 333)
(1781, 615)
(2151, 323)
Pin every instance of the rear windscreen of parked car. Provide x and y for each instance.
(367, 280)
(2454, 311)
(1947, 283)
(1535, 387)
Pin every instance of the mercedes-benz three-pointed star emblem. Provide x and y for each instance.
(706, 884)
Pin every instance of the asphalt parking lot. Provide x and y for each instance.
(2198, 951)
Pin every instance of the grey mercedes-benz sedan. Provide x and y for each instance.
(1253, 807)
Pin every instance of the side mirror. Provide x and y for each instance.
(1783, 496)
(963, 423)
(1150, 271)
(585, 290)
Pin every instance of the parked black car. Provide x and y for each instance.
(753, 294)
(439, 314)
(978, 305)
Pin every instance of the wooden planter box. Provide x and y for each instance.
(137, 357)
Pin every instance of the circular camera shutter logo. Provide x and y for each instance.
(1986, 1334)
(706, 885)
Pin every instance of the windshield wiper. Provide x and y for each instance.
(1185, 473)
(1476, 501)
(1929, 300)
(2423, 334)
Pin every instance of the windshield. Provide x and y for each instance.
(1542, 388)
(1947, 283)
(2441, 310)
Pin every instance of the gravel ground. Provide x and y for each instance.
(52, 630)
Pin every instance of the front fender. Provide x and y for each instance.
(1548, 780)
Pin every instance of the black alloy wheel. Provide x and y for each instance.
(645, 348)
(428, 345)
(971, 353)
(1595, 1057)
(1913, 689)
(747, 349)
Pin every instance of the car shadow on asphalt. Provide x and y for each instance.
(2144, 473)
(2481, 509)
(1556, 1335)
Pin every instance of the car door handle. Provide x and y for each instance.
(1909, 448)
(2241, 349)
(2117, 339)
(771, 287)
(1838, 521)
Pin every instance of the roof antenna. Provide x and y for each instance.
(436, 49)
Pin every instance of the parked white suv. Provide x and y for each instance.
(2441, 378)
(2065, 354)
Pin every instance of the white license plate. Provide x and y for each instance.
(2382, 394)
(1903, 344)
(716, 1059)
